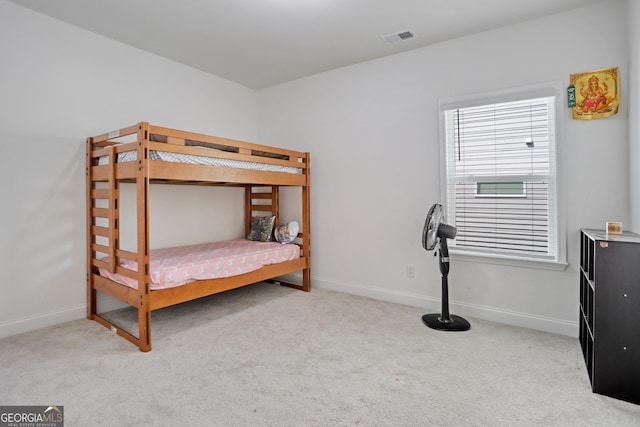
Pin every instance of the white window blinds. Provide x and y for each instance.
(501, 178)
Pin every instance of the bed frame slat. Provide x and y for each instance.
(99, 231)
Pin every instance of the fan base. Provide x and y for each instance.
(456, 323)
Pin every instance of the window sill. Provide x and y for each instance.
(483, 258)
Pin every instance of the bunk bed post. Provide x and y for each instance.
(247, 209)
(275, 203)
(142, 207)
(114, 215)
(91, 294)
(306, 227)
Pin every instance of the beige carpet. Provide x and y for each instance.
(265, 355)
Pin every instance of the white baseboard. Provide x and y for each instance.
(42, 320)
(433, 305)
(430, 304)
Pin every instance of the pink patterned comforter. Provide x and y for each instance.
(179, 265)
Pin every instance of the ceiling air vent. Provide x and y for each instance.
(399, 36)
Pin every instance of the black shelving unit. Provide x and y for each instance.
(610, 312)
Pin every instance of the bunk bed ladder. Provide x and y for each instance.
(101, 238)
(103, 231)
(257, 200)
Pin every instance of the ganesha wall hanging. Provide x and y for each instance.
(595, 94)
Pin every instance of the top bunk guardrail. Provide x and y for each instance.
(175, 156)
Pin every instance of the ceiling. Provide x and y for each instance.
(260, 43)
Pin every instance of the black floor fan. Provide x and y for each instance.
(435, 234)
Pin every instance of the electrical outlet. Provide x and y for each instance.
(411, 271)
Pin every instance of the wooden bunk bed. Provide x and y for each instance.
(152, 153)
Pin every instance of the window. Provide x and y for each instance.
(500, 176)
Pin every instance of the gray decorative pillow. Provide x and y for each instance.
(261, 228)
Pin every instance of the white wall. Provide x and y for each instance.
(58, 85)
(372, 130)
(633, 24)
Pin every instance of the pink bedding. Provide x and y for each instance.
(179, 265)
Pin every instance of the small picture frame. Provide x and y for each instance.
(614, 228)
(597, 93)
